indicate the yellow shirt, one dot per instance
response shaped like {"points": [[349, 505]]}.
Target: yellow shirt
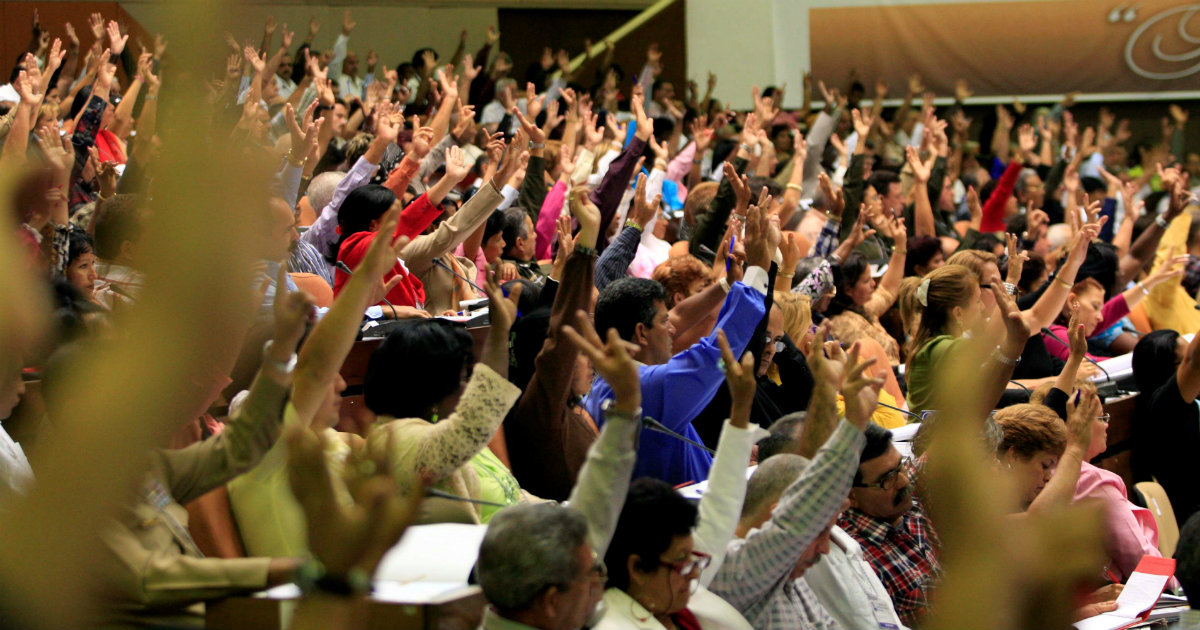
{"points": [[1169, 306], [269, 518], [884, 417]]}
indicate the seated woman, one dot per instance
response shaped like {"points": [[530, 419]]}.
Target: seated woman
{"points": [[856, 308], [1095, 314], [438, 409], [662, 556], [358, 223], [949, 304], [1166, 436], [1042, 456], [80, 271]]}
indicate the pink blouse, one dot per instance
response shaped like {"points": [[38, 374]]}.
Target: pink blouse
{"points": [[1132, 532]]}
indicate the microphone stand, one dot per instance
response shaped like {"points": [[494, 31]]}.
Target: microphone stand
{"points": [[1050, 333], [441, 263], [350, 272], [433, 492], [655, 425]]}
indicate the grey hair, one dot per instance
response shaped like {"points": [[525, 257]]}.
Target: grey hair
{"points": [[1019, 186], [527, 549], [320, 189], [1058, 234], [772, 477]]}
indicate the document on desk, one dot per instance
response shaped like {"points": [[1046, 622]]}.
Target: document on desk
{"points": [[442, 552], [1141, 593]]}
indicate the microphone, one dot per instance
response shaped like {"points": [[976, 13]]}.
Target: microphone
{"points": [[441, 263], [1050, 333], [1027, 390], [433, 492], [907, 413], [350, 272], [655, 425]]}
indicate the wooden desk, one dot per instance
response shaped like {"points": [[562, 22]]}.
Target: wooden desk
{"points": [[460, 611]]}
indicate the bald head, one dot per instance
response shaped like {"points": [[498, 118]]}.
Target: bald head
{"points": [[767, 484]]}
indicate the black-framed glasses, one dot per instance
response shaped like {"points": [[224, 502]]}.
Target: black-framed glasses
{"points": [[888, 481]]}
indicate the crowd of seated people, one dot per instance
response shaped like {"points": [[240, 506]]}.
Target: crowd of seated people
{"points": [[674, 291]]}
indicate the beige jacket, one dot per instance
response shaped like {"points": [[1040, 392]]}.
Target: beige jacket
{"points": [[153, 572], [421, 252]]}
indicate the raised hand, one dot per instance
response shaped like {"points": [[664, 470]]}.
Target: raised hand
{"points": [[644, 125], [422, 140], [1026, 140], [456, 164], [348, 23], [252, 57], [644, 210], [862, 124], [859, 391], [1076, 336], [920, 170], [741, 188], [116, 41], [535, 133], [834, 198], [1016, 259], [758, 227], [612, 360], [1082, 412], [96, 23], [503, 310]]}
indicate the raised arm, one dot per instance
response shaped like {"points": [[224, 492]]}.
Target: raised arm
{"points": [[330, 341], [922, 209], [607, 196]]}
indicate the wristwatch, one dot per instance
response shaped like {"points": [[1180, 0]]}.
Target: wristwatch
{"points": [[609, 412], [536, 145], [278, 366], [1161, 222]]}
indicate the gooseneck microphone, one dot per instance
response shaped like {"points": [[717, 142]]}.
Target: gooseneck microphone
{"points": [[441, 263], [350, 272], [433, 492], [655, 425], [1050, 333]]}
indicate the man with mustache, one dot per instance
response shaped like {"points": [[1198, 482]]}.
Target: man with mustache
{"points": [[896, 536]]}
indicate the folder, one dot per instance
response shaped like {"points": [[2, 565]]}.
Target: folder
{"points": [[1137, 600]]}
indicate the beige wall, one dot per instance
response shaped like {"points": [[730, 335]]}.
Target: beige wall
{"points": [[394, 32]]}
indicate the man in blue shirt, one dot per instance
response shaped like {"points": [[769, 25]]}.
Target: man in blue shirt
{"points": [[677, 388]]}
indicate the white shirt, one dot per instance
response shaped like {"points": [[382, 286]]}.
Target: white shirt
{"points": [[849, 589], [14, 467]]}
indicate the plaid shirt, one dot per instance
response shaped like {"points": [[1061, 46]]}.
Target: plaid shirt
{"points": [[904, 556], [754, 576], [827, 240]]}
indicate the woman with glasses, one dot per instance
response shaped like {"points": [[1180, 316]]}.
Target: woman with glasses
{"points": [[665, 550]]}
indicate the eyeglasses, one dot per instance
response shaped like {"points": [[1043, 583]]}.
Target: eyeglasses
{"points": [[888, 481], [778, 341], [1104, 417], [698, 562], [598, 572]]}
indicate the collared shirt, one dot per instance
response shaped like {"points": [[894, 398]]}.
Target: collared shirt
{"points": [[848, 588], [755, 574], [306, 259], [493, 621], [675, 392], [903, 555]]}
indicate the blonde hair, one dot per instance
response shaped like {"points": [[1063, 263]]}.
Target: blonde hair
{"points": [[797, 313], [949, 286], [910, 307], [1030, 429], [974, 260]]}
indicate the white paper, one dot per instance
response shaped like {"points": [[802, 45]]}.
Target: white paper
{"points": [[1140, 593], [1107, 621], [697, 490], [905, 433], [444, 552], [417, 592]]}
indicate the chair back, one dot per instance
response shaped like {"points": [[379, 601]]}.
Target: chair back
{"points": [[1164, 516]]}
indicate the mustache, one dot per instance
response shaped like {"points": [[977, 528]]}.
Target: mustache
{"points": [[902, 496]]}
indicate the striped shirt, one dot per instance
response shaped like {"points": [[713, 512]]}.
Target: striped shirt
{"points": [[754, 576]]}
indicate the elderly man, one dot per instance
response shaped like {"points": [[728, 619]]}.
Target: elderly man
{"points": [[891, 527], [790, 509]]}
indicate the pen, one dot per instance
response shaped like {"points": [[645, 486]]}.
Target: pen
{"points": [[732, 240]]}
